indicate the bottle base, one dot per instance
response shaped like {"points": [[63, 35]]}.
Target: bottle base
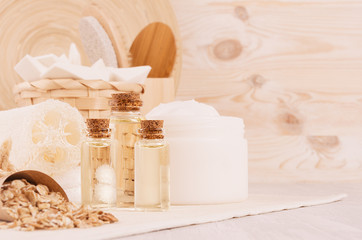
{"points": [[150, 208], [100, 205], [125, 205]]}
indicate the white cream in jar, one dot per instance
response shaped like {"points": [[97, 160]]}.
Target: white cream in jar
{"points": [[208, 153]]}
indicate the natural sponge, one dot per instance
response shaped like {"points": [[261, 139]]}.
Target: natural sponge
{"points": [[45, 137], [96, 42]]}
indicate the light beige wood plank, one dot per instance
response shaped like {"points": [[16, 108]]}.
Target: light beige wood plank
{"points": [[304, 45], [291, 70], [268, 108]]}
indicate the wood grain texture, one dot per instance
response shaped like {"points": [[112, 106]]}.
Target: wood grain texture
{"points": [[35, 27], [291, 69]]}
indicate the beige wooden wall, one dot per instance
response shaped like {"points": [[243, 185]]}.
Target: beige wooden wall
{"points": [[291, 69]]}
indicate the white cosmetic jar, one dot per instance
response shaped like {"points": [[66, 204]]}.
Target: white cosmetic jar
{"points": [[208, 159]]}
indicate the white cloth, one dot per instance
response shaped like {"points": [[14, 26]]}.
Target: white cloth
{"points": [[336, 221], [141, 222]]}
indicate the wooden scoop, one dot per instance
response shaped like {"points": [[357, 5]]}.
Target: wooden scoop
{"points": [[155, 46], [33, 177]]}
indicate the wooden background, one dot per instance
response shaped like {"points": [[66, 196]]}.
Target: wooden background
{"points": [[291, 69]]}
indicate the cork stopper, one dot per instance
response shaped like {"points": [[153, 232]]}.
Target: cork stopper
{"points": [[98, 127], [127, 101], [151, 129]]}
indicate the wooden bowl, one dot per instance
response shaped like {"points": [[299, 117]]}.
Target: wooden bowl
{"points": [[33, 177]]}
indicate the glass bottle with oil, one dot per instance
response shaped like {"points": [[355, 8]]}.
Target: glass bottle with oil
{"points": [[125, 122], [152, 168], [98, 178]]}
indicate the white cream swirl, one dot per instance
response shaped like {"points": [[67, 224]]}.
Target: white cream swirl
{"points": [[194, 119]]}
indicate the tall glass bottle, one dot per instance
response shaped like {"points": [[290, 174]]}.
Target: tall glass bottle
{"points": [[152, 168], [98, 178], [125, 121]]}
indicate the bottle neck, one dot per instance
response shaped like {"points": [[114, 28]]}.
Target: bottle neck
{"points": [[99, 134], [121, 113], [152, 142], [156, 134], [92, 138]]}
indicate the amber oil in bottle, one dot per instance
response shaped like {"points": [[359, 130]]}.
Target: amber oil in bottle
{"points": [[98, 178], [125, 122], [152, 170]]}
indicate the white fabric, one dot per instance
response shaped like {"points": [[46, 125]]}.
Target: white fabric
{"points": [[141, 222], [336, 221]]}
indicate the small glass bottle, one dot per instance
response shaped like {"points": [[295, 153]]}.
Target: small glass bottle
{"points": [[98, 178], [125, 121], [152, 168]]}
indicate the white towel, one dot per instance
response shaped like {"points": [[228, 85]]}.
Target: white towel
{"points": [[131, 223]]}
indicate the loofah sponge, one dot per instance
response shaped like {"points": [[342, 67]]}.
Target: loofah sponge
{"points": [[45, 137], [5, 166]]}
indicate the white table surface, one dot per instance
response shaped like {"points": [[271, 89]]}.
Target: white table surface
{"points": [[339, 220]]}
